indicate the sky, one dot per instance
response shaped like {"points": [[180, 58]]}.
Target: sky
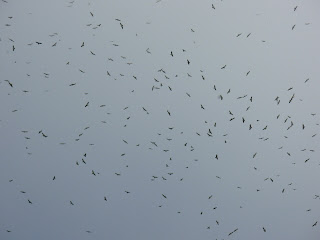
{"points": [[159, 119]]}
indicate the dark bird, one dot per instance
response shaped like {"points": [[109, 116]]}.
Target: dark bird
{"points": [[224, 67], [121, 25], [87, 104], [9, 83], [291, 98], [233, 232]]}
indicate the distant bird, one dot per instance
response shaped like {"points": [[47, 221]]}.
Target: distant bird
{"points": [[9, 83], [233, 231]]}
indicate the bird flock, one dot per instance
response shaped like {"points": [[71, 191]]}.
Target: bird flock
{"points": [[159, 120]]}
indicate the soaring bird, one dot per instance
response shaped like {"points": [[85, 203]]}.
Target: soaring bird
{"points": [[9, 83]]}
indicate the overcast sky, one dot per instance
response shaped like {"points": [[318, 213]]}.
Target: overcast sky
{"points": [[174, 119]]}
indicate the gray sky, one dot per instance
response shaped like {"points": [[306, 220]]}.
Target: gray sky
{"points": [[192, 151]]}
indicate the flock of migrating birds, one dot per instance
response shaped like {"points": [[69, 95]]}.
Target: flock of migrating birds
{"points": [[161, 81]]}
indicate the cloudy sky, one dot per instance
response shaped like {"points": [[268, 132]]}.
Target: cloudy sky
{"points": [[171, 119]]}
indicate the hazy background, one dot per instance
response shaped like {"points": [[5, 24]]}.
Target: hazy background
{"points": [[181, 163]]}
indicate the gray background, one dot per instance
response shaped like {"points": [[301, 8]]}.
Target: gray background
{"points": [[277, 57]]}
